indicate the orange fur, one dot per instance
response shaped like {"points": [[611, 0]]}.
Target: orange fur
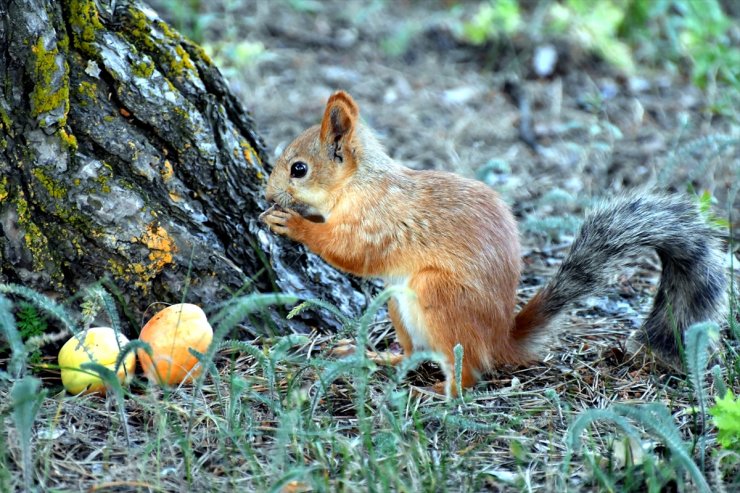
{"points": [[452, 241], [453, 244]]}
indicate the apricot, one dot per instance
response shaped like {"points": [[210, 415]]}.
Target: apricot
{"points": [[171, 333], [98, 345]]}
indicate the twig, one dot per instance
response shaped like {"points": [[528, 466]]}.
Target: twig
{"points": [[518, 97]]}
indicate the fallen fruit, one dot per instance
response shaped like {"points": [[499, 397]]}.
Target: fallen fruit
{"points": [[171, 333], [97, 345]]}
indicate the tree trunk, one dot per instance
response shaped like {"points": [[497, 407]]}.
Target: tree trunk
{"points": [[124, 156]]}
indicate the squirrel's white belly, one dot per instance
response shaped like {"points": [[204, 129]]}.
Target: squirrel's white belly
{"points": [[410, 312]]}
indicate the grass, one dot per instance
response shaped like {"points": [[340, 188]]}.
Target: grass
{"points": [[281, 414]]}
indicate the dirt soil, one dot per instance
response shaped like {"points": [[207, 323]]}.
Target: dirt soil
{"points": [[437, 103], [441, 104]]}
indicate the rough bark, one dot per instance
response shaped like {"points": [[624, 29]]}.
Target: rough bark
{"points": [[123, 155]]}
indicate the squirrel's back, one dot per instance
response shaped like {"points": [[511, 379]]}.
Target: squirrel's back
{"points": [[438, 219]]}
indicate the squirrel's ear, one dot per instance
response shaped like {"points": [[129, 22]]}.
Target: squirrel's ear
{"points": [[338, 125]]}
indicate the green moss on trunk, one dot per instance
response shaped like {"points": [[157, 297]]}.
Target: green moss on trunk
{"points": [[36, 242], [172, 57], [85, 22], [46, 95]]}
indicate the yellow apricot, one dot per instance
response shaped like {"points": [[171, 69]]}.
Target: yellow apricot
{"points": [[98, 345]]}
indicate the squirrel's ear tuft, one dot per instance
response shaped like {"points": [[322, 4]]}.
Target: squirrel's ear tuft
{"points": [[338, 124]]}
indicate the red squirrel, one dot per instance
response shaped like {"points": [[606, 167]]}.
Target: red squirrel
{"points": [[454, 244]]}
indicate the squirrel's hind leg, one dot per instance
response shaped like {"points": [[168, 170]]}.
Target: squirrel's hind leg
{"points": [[402, 334], [447, 311], [468, 378], [345, 347]]}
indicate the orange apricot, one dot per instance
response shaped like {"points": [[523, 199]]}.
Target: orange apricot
{"points": [[171, 333]]}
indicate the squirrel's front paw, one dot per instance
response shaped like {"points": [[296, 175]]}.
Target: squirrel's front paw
{"points": [[283, 221]]}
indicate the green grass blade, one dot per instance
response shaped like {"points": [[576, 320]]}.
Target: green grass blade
{"points": [[26, 397], [697, 339], [343, 319], [46, 304], [112, 384], [17, 365], [656, 418]]}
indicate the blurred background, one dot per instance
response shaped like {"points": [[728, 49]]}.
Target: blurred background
{"points": [[550, 102]]}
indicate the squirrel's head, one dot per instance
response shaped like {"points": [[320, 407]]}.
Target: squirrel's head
{"points": [[311, 172]]}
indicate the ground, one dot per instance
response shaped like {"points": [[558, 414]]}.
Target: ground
{"points": [[267, 423], [437, 103]]}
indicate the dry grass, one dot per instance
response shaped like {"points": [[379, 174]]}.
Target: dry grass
{"points": [[360, 429], [365, 430]]}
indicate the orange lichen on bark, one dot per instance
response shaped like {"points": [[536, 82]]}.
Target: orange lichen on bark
{"points": [[167, 172], [161, 253], [160, 245]]}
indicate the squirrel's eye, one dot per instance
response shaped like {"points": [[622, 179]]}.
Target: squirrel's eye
{"points": [[298, 169]]}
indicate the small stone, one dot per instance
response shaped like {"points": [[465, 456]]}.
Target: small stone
{"points": [[92, 69], [638, 84], [459, 95], [544, 60]]}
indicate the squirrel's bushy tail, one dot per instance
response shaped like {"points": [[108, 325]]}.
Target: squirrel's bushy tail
{"points": [[692, 285]]}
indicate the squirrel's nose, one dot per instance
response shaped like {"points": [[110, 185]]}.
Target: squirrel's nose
{"points": [[270, 193]]}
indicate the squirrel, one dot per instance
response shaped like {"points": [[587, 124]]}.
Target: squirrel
{"points": [[454, 244]]}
